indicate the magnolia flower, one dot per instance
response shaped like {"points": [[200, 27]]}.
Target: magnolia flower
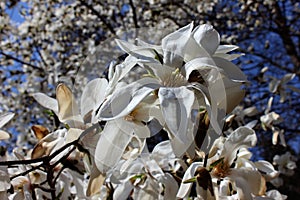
{"points": [[144, 178], [119, 133], [229, 173], [66, 107], [67, 110], [270, 120], [188, 70], [286, 163], [281, 86]]}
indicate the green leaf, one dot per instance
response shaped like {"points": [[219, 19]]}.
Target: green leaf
{"points": [[191, 180]]}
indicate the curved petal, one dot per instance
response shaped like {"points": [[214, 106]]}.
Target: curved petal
{"points": [[267, 168], [95, 182], [207, 37], [231, 70], [233, 94], [125, 99], [222, 49], [67, 106], [46, 101], [119, 72], [6, 117], [93, 95], [4, 135], [170, 186], [141, 52], [123, 190], [176, 105], [241, 137], [203, 65], [185, 188], [174, 46], [111, 145], [248, 182]]}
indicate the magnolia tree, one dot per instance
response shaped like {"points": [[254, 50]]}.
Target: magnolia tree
{"points": [[196, 91], [184, 91]]}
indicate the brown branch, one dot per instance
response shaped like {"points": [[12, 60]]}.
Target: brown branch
{"points": [[101, 17], [36, 160], [21, 61], [283, 31]]}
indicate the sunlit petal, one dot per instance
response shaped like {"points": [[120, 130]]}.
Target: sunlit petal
{"points": [[207, 37], [111, 145], [176, 105], [46, 101], [93, 95], [174, 46], [125, 99]]}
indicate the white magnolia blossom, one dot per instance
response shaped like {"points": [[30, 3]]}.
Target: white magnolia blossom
{"points": [[190, 69], [229, 174], [286, 163]]}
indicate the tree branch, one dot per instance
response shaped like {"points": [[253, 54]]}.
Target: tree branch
{"points": [[101, 17], [21, 61]]}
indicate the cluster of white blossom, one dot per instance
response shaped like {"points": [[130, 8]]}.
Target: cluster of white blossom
{"points": [[187, 89]]}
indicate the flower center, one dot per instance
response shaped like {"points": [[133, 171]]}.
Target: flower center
{"points": [[173, 79], [221, 170], [131, 116]]}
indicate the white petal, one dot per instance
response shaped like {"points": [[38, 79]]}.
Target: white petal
{"points": [[4, 118], [4, 135], [120, 71], [123, 190], [176, 105], [125, 99], [248, 182], [208, 37], [288, 77], [93, 95], [73, 134], [216, 112], [95, 182], [267, 168], [179, 147], [231, 70], [241, 137], [170, 186], [228, 57], [111, 145], [140, 52], [162, 150], [274, 194], [204, 66], [226, 48], [185, 188], [46, 101], [234, 94], [174, 46], [273, 85]]}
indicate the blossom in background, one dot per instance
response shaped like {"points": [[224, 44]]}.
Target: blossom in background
{"points": [[270, 120], [286, 163]]}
